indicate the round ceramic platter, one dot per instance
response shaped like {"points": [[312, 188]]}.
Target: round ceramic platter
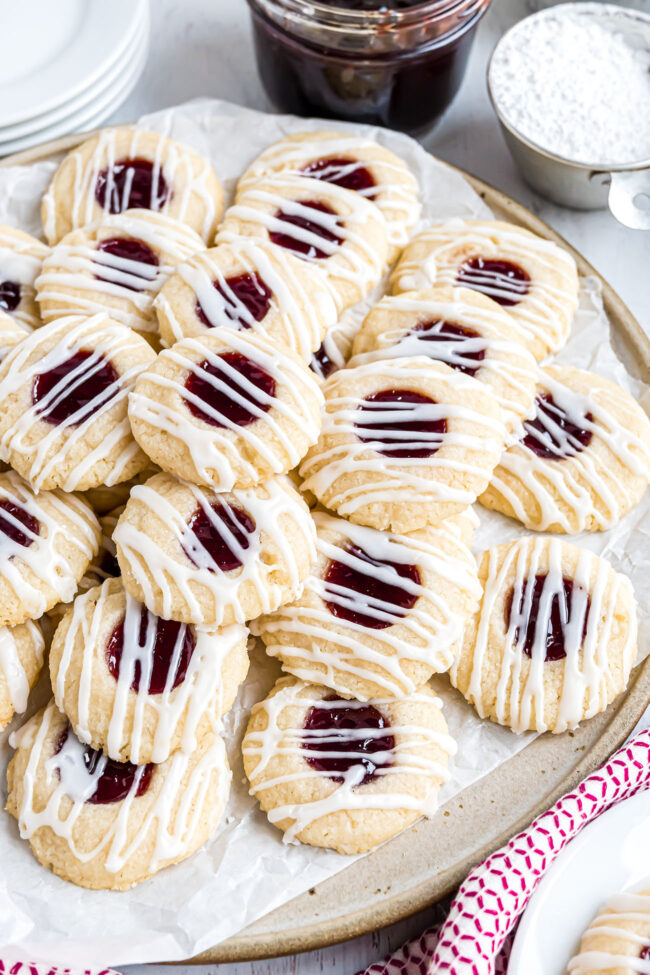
{"points": [[611, 856], [428, 861], [72, 44]]}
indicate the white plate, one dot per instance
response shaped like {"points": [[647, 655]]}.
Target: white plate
{"points": [[91, 115], [610, 856], [59, 48], [108, 81]]}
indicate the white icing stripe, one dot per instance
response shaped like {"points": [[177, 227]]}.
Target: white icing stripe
{"points": [[177, 170], [217, 457], [425, 635], [403, 479], [307, 311], [73, 335], [352, 257], [405, 760], [394, 192], [73, 268], [45, 557], [611, 921], [542, 312], [593, 493], [11, 667], [582, 691], [129, 827], [199, 692], [173, 576]]}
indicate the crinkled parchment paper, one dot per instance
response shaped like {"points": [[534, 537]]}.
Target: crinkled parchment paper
{"points": [[246, 870]]}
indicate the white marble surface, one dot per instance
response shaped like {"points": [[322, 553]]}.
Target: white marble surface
{"points": [[203, 47]]}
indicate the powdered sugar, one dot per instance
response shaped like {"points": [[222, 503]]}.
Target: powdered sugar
{"points": [[575, 80]]}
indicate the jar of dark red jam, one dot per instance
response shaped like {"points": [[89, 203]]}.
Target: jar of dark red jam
{"points": [[396, 63]]}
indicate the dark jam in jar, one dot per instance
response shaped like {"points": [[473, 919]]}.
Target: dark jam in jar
{"points": [[396, 63]]}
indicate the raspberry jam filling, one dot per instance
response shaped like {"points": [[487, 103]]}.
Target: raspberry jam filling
{"points": [[131, 184], [557, 618], [113, 781], [219, 538], [399, 418], [504, 282], [319, 228], [552, 433], [10, 293], [342, 737], [358, 594], [460, 347], [321, 363], [127, 249], [162, 648], [75, 389], [246, 297], [348, 173], [228, 396], [14, 520], [644, 954]]}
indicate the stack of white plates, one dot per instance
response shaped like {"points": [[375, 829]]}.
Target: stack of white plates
{"points": [[67, 66]]}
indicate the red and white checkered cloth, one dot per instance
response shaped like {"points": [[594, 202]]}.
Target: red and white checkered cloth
{"points": [[476, 936]]}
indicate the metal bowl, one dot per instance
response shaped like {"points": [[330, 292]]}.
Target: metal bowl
{"points": [[585, 186]]}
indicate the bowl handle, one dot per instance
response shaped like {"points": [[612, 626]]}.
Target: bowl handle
{"points": [[629, 198]]}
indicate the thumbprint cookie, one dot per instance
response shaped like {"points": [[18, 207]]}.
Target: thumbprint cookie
{"points": [[341, 774], [355, 164], [583, 460], [11, 333], [379, 613], [554, 639], [21, 658], [117, 266], [21, 258], [228, 409], [248, 284], [618, 939], [336, 348], [320, 222], [463, 328], [63, 403], [109, 825], [533, 279], [131, 169], [139, 687], [404, 443], [198, 556], [47, 541]]}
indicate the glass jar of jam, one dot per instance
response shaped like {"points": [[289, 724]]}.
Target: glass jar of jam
{"points": [[396, 63]]}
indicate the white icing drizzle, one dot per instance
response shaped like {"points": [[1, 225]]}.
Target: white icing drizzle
{"points": [[20, 262], [542, 313], [583, 688], [305, 303], [76, 267], [427, 634], [506, 366], [592, 492], [216, 452], [11, 666], [394, 191], [403, 479], [171, 160], [73, 334], [174, 815], [170, 575], [610, 922], [405, 760], [45, 557], [353, 258], [199, 692]]}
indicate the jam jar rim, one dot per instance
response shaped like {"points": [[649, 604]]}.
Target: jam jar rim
{"points": [[343, 23]]}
